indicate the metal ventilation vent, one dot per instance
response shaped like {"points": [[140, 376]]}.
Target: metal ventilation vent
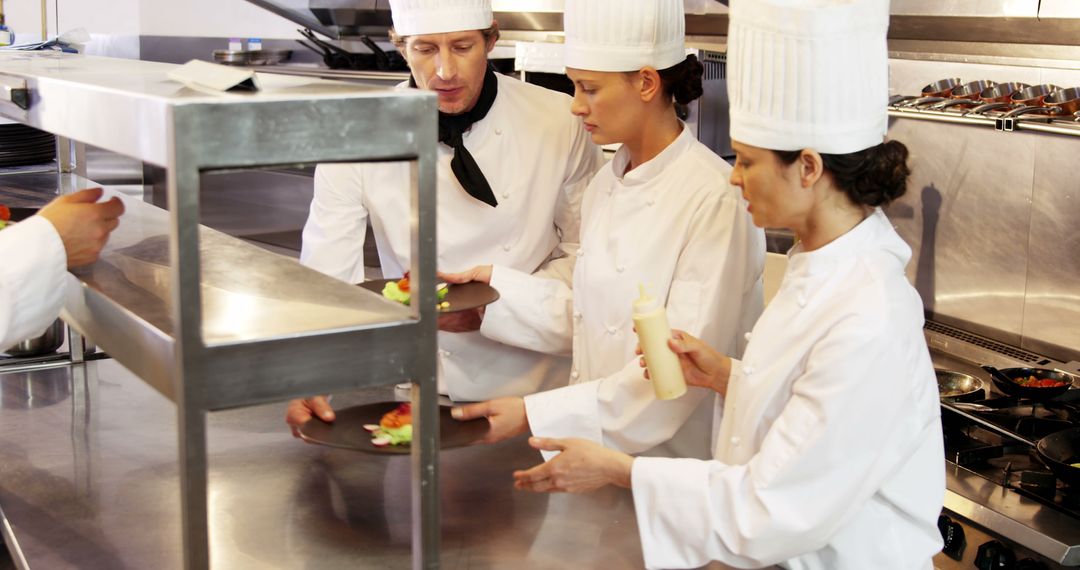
{"points": [[984, 343], [715, 64]]}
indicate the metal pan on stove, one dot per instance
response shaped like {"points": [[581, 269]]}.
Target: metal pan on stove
{"points": [[1006, 381], [1061, 452], [959, 387]]}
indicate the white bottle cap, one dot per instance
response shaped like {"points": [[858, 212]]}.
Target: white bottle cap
{"points": [[645, 303]]}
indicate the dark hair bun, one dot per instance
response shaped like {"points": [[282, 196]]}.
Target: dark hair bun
{"points": [[683, 80], [873, 177]]}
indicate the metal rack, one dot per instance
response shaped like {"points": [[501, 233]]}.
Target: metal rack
{"points": [[212, 322], [923, 109]]}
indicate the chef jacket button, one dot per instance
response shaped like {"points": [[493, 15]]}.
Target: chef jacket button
{"points": [[580, 252], [620, 268], [577, 314], [747, 336], [444, 353], [612, 330], [735, 441], [506, 248], [498, 131], [506, 195], [573, 374], [748, 370], [650, 202]]}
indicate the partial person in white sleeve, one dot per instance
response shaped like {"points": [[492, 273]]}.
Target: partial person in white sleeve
{"points": [[511, 168], [660, 214], [68, 232], [829, 451]]}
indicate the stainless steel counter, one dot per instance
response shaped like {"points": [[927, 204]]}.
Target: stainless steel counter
{"points": [[88, 479]]}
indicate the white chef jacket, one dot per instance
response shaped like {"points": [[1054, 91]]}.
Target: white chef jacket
{"points": [[830, 453], [32, 279], [537, 158], [676, 224]]}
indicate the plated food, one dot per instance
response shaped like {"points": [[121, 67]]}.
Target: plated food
{"points": [[5, 216], [352, 429], [451, 298], [394, 428], [400, 291]]}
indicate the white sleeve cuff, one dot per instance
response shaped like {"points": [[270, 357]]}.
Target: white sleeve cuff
{"points": [[31, 279], [670, 501], [565, 412]]}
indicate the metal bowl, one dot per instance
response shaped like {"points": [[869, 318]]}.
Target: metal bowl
{"points": [[960, 387], [256, 57], [48, 342]]}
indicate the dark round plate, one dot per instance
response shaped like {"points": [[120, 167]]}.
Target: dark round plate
{"points": [[347, 431], [461, 297]]}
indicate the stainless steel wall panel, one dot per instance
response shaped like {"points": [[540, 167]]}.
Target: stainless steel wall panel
{"points": [[967, 182], [1052, 309]]}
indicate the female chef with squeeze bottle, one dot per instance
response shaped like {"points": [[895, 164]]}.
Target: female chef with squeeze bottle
{"points": [[660, 214], [829, 451]]}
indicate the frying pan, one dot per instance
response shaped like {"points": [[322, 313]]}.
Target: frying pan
{"points": [[1067, 99], [1005, 380], [958, 387], [1059, 451]]}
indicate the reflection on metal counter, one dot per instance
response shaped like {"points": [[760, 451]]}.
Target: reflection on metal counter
{"points": [[88, 478]]}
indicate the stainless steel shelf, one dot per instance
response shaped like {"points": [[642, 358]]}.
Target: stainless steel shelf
{"points": [[1038, 123], [210, 321]]}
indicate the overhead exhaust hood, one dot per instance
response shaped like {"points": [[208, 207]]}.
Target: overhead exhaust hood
{"points": [[992, 29]]}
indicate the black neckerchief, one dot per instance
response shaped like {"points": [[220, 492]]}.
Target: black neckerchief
{"points": [[451, 129]]}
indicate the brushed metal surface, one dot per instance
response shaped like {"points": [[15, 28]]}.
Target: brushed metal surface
{"points": [[108, 499], [1052, 300], [969, 186]]}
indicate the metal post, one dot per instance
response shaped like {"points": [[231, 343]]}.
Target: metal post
{"points": [[425, 449], [188, 372]]}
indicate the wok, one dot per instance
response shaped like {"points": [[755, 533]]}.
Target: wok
{"points": [[1005, 380], [1059, 451], [958, 387]]}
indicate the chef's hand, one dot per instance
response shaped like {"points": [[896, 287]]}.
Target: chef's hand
{"points": [[506, 416], [462, 321], [300, 411], [701, 365], [83, 225], [481, 273], [581, 467]]}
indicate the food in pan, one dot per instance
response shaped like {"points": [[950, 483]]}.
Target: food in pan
{"points": [[399, 291], [952, 393], [5, 216], [395, 427], [1034, 382]]}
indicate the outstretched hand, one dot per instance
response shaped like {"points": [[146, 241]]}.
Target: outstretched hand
{"points": [[582, 466], [506, 416]]}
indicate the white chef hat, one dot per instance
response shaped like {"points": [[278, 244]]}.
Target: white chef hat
{"points": [[418, 17], [808, 74], [623, 35]]}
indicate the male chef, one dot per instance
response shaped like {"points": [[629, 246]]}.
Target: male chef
{"points": [[512, 165]]}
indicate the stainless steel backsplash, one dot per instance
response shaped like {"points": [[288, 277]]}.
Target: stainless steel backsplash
{"points": [[993, 219]]}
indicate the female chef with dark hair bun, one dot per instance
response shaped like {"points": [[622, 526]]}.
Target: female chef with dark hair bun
{"points": [[661, 214], [829, 451]]}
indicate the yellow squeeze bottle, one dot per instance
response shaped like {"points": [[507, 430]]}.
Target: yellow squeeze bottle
{"points": [[653, 332]]}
